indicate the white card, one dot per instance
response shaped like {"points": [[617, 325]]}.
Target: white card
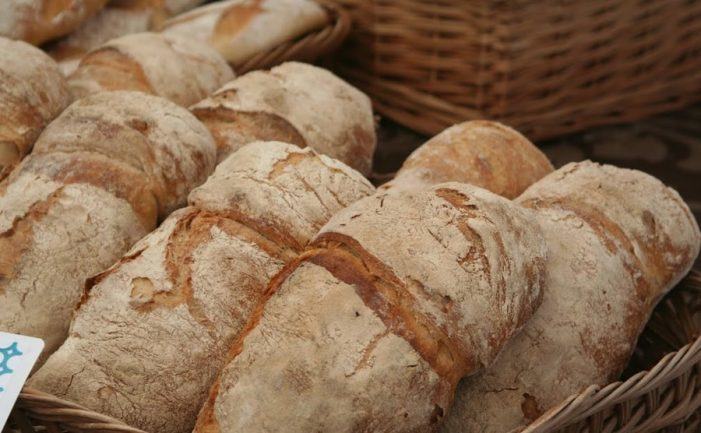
{"points": [[17, 357]]}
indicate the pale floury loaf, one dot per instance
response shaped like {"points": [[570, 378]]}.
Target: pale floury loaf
{"points": [[155, 328], [618, 240], [240, 29], [399, 296], [98, 179], [296, 103], [32, 93], [118, 18], [479, 152], [37, 21], [175, 68]]}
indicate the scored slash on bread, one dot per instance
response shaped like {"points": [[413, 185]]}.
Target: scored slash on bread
{"points": [[98, 179], [296, 103], [32, 93], [154, 329], [182, 70]]}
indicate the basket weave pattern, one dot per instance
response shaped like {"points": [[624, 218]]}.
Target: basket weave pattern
{"points": [[666, 398], [545, 67], [305, 49]]}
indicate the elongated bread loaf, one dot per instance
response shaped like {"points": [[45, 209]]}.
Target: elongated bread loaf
{"points": [[96, 182], [618, 240], [153, 333], [294, 103], [118, 18], [32, 93], [479, 152], [403, 295], [240, 29], [37, 21], [175, 68]]}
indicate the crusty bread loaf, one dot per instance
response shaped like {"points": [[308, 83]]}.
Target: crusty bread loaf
{"points": [[175, 68], [402, 294], [118, 18], [153, 333], [37, 21], [479, 152], [618, 241], [32, 93], [295, 103], [240, 29], [97, 180]]}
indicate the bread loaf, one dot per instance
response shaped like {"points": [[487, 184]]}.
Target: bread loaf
{"points": [[153, 333], [295, 103], [400, 296], [479, 152], [240, 29], [99, 177], [618, 240], [37, 21], [32, 93], [118, 18], [175, 68]]}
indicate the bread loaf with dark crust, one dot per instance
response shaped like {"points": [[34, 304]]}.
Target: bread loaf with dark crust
{"points": [[240, 29], [37, 21], [32, 93], [479, 152], [98, 179], [175, 68], [155, 328], [400, 295], [618, 240], [294, 103]]}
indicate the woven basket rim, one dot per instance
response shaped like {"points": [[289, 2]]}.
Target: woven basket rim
{"points": [[308, 47], [76, 418]]}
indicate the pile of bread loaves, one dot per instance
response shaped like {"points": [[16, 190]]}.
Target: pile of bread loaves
{"points": [[228, 268]]}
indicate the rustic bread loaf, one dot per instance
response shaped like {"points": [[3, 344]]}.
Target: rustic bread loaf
{"points": [[154, 330], [32, 93], [402, 294], [240, 29], [37, 21], [97, 180], [295, 103], [618, 240], [118, 18], [479, 152], [175, 68]]}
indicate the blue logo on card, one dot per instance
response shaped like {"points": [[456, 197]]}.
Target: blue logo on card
{"points": [[7, 353]]}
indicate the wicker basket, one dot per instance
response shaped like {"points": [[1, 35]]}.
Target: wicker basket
{"points": [[306, 48], [666, 398], [545, 67]]}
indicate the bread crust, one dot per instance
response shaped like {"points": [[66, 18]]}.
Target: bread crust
{"points": [[175, 68], [618, 241], [369, 331], [37, 21], [202, 273], [32, 93], [240, 29], [479, 152], [297, 103], [99, 177]]}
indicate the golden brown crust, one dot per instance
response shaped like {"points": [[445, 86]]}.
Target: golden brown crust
{"points": [[175, 68], [295, 102], [32, 93], [202, 272], [479, 152], [37, 21]]}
